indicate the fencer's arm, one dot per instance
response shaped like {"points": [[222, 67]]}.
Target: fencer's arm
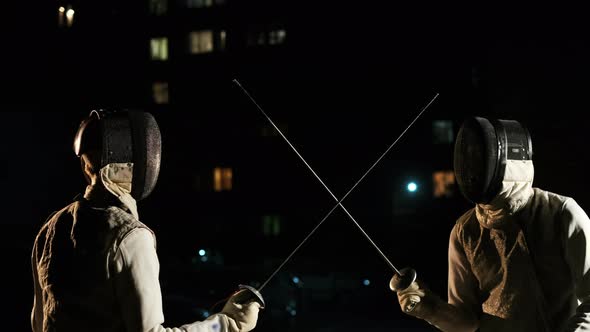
{"points": [[418, 301], [577, 252], [449, 318], [138, 291]]}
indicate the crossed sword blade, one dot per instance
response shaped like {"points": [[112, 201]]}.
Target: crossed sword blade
{"points": [[338, 201]]}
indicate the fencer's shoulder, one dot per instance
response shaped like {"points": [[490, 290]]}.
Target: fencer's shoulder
{"points": [[139, 237], [560, 206], [51, 222], [114, 220], [546, 202], [548, 197], [109, 212], [65, 211], [55, 216], [124, 222]]}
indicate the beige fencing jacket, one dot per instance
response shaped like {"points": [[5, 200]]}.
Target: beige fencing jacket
{"points": [[95, 268], [522, 263]]}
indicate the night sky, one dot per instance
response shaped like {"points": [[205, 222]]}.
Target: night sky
{"points": [[347, 81]]}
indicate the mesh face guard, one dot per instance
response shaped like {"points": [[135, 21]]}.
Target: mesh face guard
{"points": [[124, 137], [481, 150]]}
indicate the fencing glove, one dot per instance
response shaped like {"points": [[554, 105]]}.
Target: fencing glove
{"points": [[242, 317], [410, 297], [417, 300]]}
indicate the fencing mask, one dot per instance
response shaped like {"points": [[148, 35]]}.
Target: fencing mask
{"points": [[481, 150], [124, 136]]}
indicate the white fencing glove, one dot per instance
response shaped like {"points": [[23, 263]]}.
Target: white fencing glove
{"points": [[410, 297], [242, 317], [417, 300]]}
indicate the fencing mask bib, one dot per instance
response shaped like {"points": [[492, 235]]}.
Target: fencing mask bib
{"points": [[481, 150], [124, 136]]}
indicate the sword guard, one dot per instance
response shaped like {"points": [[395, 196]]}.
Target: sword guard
{"points": [[403, 280], [247, 294]]}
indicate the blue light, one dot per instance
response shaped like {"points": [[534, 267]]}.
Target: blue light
{"points": [[293, 312], [366, 282], [296, 280], [412, 186], [206, 313], [202, 252]]}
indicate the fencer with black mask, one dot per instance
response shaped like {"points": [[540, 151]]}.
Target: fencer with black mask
{"points": [[95, 265], [519, 260]]}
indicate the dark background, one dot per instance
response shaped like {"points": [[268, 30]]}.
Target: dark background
{"points": [[344, 83]]}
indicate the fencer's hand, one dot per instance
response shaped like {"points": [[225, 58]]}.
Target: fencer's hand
{"points": [[242, 316], [410, 297], [416, 300]]}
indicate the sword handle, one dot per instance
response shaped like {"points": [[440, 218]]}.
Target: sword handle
{"points": [[247, 294]]}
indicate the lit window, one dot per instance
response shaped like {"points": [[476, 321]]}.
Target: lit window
{"points": [[204, 3], [271, 225], [158, 7], [272, 37], [222, 38], [442, 132], [276, 37], [160, 90], [70, 16], [61, 12], [159, 48], [199, 3], [201, 41], [65, 16], [222, 178], [443, 183]]}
